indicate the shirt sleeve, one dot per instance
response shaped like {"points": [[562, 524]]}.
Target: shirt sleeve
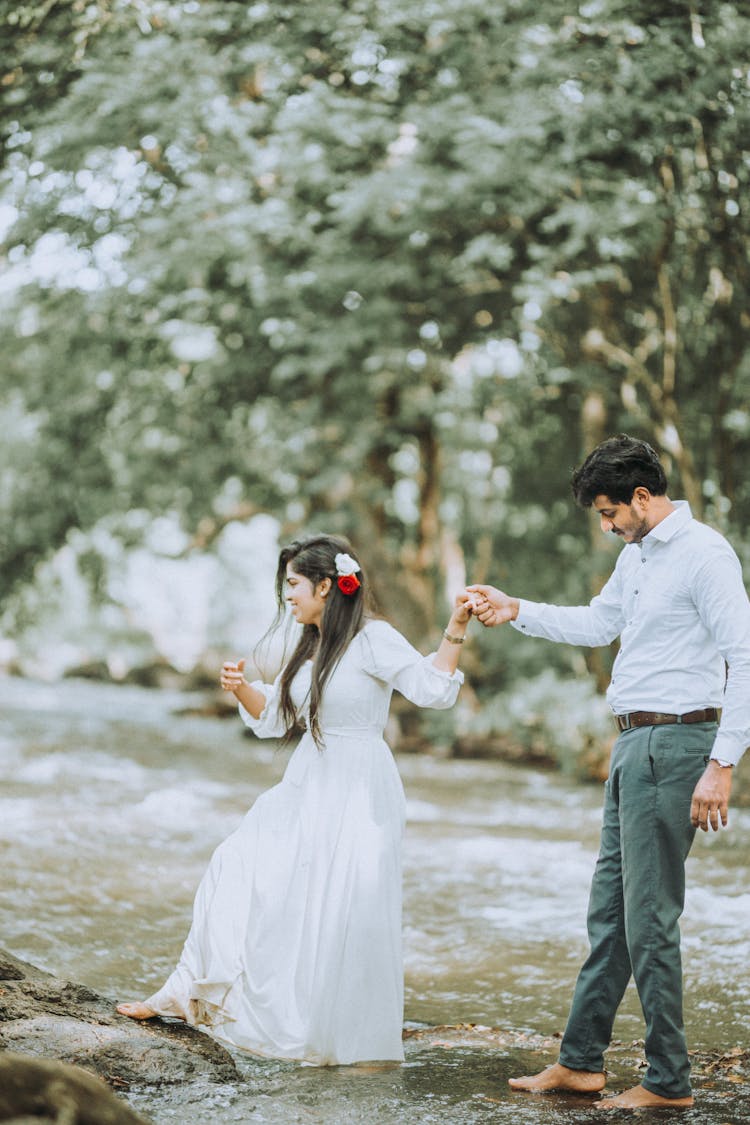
{"points": [[389, 657], [722, 603], [270, 722], [595, 624]]}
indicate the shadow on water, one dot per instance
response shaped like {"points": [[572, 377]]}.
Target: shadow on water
{"points": [[111, 804]]}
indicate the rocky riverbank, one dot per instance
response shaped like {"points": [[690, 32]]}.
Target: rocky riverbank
{"points": [[56, 1035], [66, 1058]]}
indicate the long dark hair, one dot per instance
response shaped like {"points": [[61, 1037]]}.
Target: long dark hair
{"points": [[343, 617]]}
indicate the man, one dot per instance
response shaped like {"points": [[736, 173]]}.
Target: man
{"points": [[677, 601]]}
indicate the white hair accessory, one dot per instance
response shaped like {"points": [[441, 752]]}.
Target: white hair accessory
{"points": [[345, 564]]}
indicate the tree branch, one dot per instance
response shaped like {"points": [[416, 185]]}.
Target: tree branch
{"points": [[210, 527]]}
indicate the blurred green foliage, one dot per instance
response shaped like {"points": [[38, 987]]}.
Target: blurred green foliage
{"points": [[376, 268]]}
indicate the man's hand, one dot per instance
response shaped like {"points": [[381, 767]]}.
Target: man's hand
{"points": [[492, 606], [711, 797]]}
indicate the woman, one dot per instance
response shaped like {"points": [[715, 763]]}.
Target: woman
{"points": [[295, 947]]}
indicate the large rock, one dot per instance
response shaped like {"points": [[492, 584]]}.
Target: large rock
{"points": [[48, 1018], [38, 1091]]}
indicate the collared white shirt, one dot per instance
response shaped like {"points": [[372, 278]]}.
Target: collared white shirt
{"points": [[678, 603]]}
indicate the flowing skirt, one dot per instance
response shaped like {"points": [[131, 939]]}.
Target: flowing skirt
{"points": [[295, 946]]}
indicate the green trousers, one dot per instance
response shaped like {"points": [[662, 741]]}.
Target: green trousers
{"points": [[637, 897]]}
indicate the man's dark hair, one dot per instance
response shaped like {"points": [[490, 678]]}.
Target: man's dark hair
{"points": [[615, 469]]}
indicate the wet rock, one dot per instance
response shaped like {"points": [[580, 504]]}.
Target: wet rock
{"points": [[49, 1018], [39, 1091], [213, 705], [155, 674], [504, 748], [90, 670]]}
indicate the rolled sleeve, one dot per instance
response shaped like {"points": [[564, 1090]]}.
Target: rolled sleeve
{"points": [[269, 723]]}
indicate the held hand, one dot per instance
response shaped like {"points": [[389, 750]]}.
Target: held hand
{"points": [[231, 675], [464, 607], [493, 607], [711, 797]]}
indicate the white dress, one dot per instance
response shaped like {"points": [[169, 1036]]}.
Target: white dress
{"points": [[295, 947]]}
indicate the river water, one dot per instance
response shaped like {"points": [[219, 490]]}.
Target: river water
{"points": [[112, 800]]}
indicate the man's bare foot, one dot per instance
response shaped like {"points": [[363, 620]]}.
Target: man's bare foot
{"points": [[136, 1011], [559, 1077], [639, 1097]]}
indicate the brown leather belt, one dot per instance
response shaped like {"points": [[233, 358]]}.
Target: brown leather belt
{"points": [[656, 718]]}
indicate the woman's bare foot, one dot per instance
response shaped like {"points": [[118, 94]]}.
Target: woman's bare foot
{"points": [[639, 1097], [136, 1011], [559, 1077]]}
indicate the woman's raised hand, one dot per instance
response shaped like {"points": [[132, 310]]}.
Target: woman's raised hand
{"points": [[464, 607], [232, 676]]}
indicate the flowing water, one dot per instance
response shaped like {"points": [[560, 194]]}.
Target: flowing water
{"points": [[112, 800]]}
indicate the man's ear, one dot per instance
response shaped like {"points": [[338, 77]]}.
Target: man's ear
{"points": [[641, 496], [324, 587]]}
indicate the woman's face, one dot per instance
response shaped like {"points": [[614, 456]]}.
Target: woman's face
{"points": [[307, 603]]}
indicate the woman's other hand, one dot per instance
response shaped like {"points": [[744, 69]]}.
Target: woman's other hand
{"points": [[232, 677]]}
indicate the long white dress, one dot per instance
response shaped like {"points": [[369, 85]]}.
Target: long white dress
{"points": [[295, 947]]}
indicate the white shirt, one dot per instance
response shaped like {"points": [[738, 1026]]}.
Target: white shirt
{"points": [[679, 605]]}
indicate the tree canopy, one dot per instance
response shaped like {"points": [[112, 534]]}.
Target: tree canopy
{"points": [[384, 269]]}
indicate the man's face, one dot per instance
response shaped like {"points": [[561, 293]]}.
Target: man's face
{"points": [[626, 520]]}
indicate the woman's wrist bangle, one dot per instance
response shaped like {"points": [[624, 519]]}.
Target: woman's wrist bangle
{"points": [[453, 640]]}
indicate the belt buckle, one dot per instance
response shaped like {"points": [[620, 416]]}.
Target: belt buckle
{"points": [[624, 723]]}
